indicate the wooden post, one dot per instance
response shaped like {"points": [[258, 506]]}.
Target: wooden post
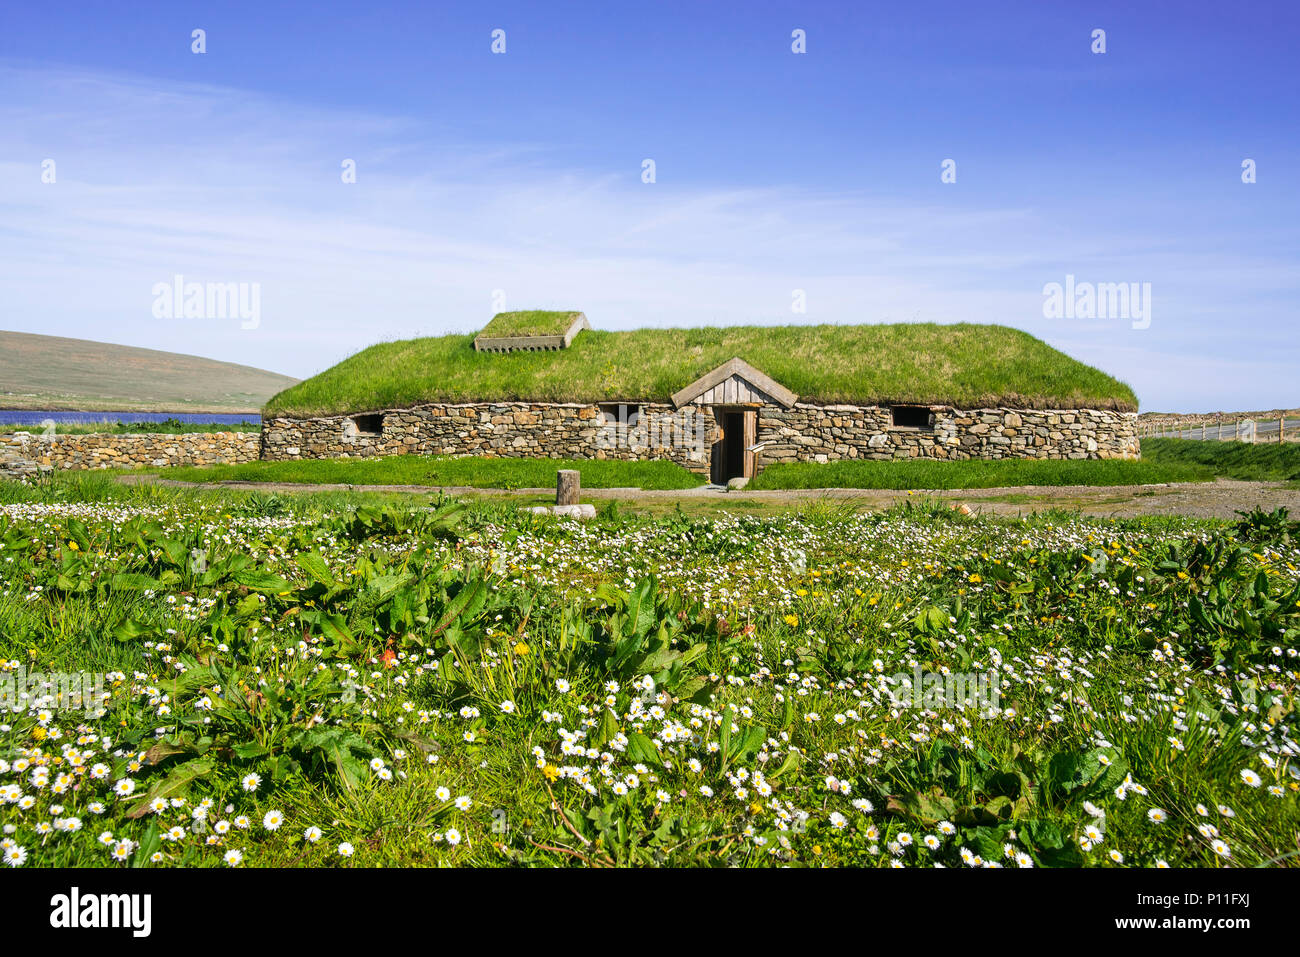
{"points": [[568, 486], [751, 439]]}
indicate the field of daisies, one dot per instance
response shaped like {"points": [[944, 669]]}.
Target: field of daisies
{"points": [[333, 681]]}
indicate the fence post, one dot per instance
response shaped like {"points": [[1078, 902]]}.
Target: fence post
{"points": [[568, 485]]}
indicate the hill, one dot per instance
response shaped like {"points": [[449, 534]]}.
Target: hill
{"points": [[53, 372], [964, 365]]}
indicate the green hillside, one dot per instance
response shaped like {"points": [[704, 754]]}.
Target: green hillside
{"points": [[963, 365], [53, 372]]}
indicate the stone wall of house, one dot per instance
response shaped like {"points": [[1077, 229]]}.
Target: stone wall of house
{"points": [[27, 454], [803, 433], [829, 433], [506, 429]]}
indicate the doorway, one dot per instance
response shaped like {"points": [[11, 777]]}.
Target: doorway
{"points": [[730, 458]]}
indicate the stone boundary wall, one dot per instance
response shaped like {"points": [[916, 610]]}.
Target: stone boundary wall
{"points": [[29, 454], [803, 433], [1187, 419], [1154, 422]]}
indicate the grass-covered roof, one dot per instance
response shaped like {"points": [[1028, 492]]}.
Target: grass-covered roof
{"points": [[531, 322], [967, 366]]}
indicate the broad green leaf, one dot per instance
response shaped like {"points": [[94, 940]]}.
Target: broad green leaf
{"points": [[173, 785], [129, 630], [641, 749], [314, 565], [792, 759], [261, 581], [926, 809], [132, 581], [335, 629]]}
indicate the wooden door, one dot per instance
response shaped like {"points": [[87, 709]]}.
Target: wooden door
{"points": [[751, 439], [738, 431]]}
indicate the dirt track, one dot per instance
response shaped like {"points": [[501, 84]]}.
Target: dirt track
{"points": [[1220, 499]]}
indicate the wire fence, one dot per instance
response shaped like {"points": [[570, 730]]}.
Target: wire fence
{"points": [[1253, 431]]}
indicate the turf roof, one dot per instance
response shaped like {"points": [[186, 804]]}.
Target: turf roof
{"points": [[532, 322], [963, 365]]}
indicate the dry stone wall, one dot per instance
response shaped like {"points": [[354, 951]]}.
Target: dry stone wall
{"points": [[811, 433], [803, 433], [27, 454], [506, 429]]}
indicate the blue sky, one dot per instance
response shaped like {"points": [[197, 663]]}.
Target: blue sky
{"points": [[519, 174]]}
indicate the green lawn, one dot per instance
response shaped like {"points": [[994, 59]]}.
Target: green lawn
{"points": [[1277, 462], [931, 474], [969, 366], [508, 473], [475, 472], [1163, 460]]}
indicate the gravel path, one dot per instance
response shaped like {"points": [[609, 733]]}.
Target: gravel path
{"points": [[1220, 499]]}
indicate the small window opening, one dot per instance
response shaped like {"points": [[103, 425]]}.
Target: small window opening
{"points": [[620, 413], [372, 424], [911, 417]]}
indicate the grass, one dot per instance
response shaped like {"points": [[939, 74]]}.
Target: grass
{"points": [[337, 680], [473, 472], [533, 322], [968, 366], [1163, 461], [915, 474], [167, 427], [1276, 462], [53, 372], [512, 473]]}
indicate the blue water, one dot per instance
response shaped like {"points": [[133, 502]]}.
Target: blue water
{"points": [[17, 417]]}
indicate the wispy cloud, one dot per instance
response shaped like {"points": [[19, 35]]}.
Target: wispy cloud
{"points": [[224, 185]]}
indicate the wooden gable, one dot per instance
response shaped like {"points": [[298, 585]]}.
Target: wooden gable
{"points": [[735, 382]]}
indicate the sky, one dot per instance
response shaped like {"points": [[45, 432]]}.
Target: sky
{"points": [[788, 187]]}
